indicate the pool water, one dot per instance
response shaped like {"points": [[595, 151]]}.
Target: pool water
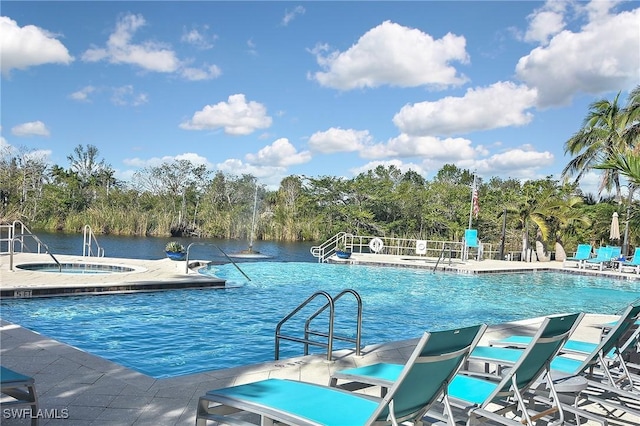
{"points": [[74, 268], [172, 333]]}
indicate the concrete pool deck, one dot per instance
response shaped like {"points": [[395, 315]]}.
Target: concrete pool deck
{"points": [[83, 389], [147, 275]]}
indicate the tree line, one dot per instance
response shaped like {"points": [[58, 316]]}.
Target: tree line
{"points": [[183, 198]]}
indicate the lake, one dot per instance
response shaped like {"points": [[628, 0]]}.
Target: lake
{"points": [[153, 247]]}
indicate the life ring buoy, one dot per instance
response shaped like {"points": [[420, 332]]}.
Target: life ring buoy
{"points": [[376, 245], [421, 246]]}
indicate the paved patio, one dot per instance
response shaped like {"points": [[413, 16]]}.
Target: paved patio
{"points": [[83, 389]]}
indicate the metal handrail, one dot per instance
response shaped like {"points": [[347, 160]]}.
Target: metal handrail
{"points": [[357, 341], [186, 267], [328, 345], [326, 249], [11, 232], [19, 238], [442, 255], [88, 238]]}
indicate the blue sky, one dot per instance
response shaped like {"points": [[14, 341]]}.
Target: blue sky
{"points": [[313, 88]]}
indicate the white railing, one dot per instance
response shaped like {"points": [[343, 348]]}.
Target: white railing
{"points": [[89, 240], [393, 246], [14, 237]]}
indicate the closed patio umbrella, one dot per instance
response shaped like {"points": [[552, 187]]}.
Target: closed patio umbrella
{"points": [[614, 233]]}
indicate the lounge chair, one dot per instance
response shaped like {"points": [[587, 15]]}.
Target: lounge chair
{"points": [[603, 258], [607, 387], [471, 241], [422, 380], [632, 264], [21, 389], [616, 252], [473, 393], [583, 253]]}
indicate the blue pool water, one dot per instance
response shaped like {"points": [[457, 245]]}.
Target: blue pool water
{"points": [[75, 268], [171, 333]]}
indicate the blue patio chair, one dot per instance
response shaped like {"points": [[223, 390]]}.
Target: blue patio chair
{"points": [[21, 389], [474, 393], [616, 252], [609, 388], [633, 263], [583, 252], [423, 379], [604, 256], [471, 241]]}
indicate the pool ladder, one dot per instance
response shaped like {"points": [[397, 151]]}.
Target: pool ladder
{"points": [[329, 335]]}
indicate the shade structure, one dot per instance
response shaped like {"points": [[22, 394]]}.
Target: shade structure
{"points": [[614, 233]]}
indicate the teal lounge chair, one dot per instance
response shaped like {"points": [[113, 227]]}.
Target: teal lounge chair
{"points": [[602, 259], [606, 386], [471, 241], [582, 253], [632, 264], [21, 389], [473, 394], [422, 380], [616, 252]]}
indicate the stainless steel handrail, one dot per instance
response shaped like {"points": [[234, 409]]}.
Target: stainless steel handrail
{"points": [[442, 255], [328, 345], [357, 341], [330, 335], [186, 268], [19, 237], [88, 238]]}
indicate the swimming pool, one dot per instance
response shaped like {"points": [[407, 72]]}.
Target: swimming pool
{"points": [[172, 333]]}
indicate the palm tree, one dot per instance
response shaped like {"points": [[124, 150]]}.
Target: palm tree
{"points": [[631, 117], [626, 164], [608, 129], [532, 209]]}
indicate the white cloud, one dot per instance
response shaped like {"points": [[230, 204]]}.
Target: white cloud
{"points": [[6, 149], [252, 47], [198, 38], [395, 55], [156, 161], [38, 156], [207, 72], [339, 140], [604, 56], [502, 104], [32, 128], [427, 147], [82, 95], [149, 55], [590, 183], [266, 175], [291, 15], [236, 117], [126, 95], [281, 153], [24, 47], [404, 167], [523, 162], [546, 22]]}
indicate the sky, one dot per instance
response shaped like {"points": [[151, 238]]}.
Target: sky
{"points": [[276, 88]]}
